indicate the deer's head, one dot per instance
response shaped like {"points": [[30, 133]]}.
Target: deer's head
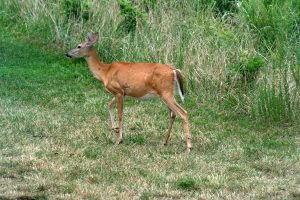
{"points": [[82, 49]]}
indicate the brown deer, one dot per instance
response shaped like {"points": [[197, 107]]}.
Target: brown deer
{"points": [[139, 80]]}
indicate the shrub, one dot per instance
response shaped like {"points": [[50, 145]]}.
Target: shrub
{"points": [[247, 68]]}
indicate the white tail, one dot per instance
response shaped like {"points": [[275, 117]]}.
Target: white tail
{"points": [[180, 92], [140, 80]]}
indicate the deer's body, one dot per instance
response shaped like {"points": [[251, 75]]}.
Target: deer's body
{"points": [[132, 79], [139, 80]]}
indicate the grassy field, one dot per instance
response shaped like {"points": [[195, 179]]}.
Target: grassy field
{"points": [[56, 142]]}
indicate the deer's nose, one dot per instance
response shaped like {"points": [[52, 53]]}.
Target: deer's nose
{"points": [[69, 56]]}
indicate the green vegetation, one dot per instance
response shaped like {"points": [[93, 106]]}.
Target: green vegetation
{"points": [[186, 183], [241, 63], [220, 45], [75, 9]]}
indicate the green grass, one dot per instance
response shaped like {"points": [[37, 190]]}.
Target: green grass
{"points": [[56, 143], [244, 54]]}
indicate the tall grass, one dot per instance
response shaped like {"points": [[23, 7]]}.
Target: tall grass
{"points": [[213, 42], [276, 26]]}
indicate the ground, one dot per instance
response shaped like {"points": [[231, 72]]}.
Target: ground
{"points": [[56, 142]]}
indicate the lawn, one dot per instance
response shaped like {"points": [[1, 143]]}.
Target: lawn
{"points": [[56, 142]]}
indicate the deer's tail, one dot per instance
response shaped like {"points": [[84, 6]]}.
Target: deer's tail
{"points": [[179, 83]]}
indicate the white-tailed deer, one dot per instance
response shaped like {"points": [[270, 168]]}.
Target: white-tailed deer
{"points": [[139, 80]]}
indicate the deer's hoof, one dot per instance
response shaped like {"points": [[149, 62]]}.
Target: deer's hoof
{"points": [[117, 130], [118, 142], [188, 149]]}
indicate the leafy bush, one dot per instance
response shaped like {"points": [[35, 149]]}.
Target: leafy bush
{"points": [[247, 68]]}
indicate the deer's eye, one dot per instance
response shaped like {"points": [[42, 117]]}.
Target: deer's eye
{"points": [[78, 46]]}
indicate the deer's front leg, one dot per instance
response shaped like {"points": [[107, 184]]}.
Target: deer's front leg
{"points": [[111, 113], [172, 119], [119, 133]]}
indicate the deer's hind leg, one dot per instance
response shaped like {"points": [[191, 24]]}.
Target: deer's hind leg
{"points": [[178, 110]]}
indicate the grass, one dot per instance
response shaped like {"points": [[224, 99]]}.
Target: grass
{"points": [[244, 54], [55, 140]]}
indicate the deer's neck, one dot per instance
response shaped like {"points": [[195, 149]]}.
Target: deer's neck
{"points": [[97, 67]]}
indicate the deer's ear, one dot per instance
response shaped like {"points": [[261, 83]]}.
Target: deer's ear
{"points": [[92, 38]]}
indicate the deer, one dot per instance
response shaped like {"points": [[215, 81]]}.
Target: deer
{"points": [[138, 80]]}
